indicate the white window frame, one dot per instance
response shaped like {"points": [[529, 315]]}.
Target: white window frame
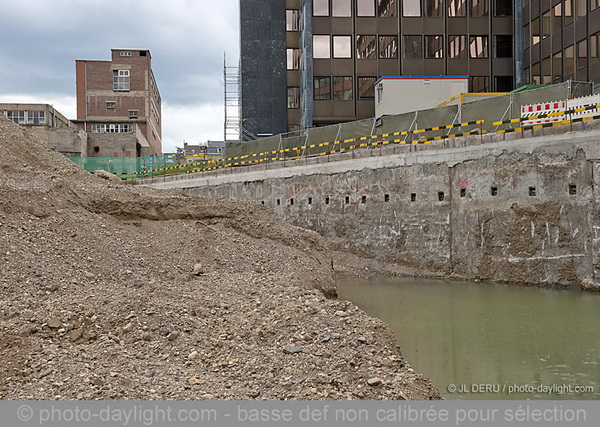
{"points": [[112, 128], [121, 80], [36, 117]]}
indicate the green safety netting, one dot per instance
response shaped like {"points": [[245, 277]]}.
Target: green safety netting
{"points": [[126, 165]]}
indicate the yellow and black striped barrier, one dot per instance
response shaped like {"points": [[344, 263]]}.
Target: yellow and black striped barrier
{"points": [[369, 141], [550, 115], [365, 142]]}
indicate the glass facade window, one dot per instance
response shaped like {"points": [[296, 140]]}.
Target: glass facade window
{"points": [[413, 46], [536, 72], [342, 88], [322, 88], [581, 7], [434, 46], [457, 46], [557, 17], [535, 31], [504, 83], [342, 46], [557, 68], [341, 7], [121, 80], [570, 60], [479, 8], [366, 87], [595, 4], [388, 47], [503, 7], [109, 128], [365, 7], [321, 47], [595, 48], [293, 97], [366, 47], [478, 46], [292, 20], [546, 25], [504, 46], [568, 12], [479, 84], [387, 8], [16, 116], [434, 8], [411, 8], [320, 7], [293, 59], [526, 36], [547, 71], [457, 8], [582, 57], [36, 117]]}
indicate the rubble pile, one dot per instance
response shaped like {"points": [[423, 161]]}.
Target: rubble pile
{"points": [[115, 292]]}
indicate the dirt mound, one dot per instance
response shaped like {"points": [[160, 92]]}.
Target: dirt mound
{"points": [[114, 292]]}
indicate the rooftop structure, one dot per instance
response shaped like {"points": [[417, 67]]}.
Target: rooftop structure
{"points": [[119, 104]]}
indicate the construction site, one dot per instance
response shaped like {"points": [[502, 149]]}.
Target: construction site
{"points": [[119, 292]]}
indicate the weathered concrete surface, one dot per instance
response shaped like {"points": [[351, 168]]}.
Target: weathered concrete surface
{"points": [[472, 214]]}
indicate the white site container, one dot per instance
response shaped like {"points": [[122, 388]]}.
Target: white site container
{"points": [[403, 94]]}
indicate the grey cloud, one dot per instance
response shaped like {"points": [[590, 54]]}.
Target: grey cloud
{"points": [[187, 40]]}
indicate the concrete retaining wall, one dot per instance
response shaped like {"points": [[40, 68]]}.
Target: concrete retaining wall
{"points": [[520, 210]]}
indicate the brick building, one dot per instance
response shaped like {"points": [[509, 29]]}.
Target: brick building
{"points": [[119, 105]]}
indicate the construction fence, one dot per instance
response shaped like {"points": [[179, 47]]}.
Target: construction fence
{"points": [[500, 114], [481, 116]]}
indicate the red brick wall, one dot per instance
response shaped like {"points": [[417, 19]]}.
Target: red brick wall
{"points": [[95, 88], [80, 88]]}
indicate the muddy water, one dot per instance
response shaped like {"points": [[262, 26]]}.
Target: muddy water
{"points": [[488, 341]]}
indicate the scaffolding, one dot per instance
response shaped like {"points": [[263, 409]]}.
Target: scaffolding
{"points": [[231, 79]]}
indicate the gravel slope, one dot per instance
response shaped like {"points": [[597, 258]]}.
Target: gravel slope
{"points": [[114, 292]]}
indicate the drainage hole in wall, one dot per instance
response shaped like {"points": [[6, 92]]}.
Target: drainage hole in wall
{"points": [[310, 200], [347, 199], [292, 202], [441, 196], [532, 191], [326, 200], [572, 189], [413, 197], [494, 191], [463, 192], [364, 199], [386, 198], [278, 202]]}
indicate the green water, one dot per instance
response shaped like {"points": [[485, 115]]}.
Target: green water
{"points": [[518, 342]]}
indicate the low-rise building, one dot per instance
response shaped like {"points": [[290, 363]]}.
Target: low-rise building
{"points": [[208, 150], [48, 125]]}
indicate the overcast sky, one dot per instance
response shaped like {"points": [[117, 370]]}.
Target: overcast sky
{"points": [[41, 39]]}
